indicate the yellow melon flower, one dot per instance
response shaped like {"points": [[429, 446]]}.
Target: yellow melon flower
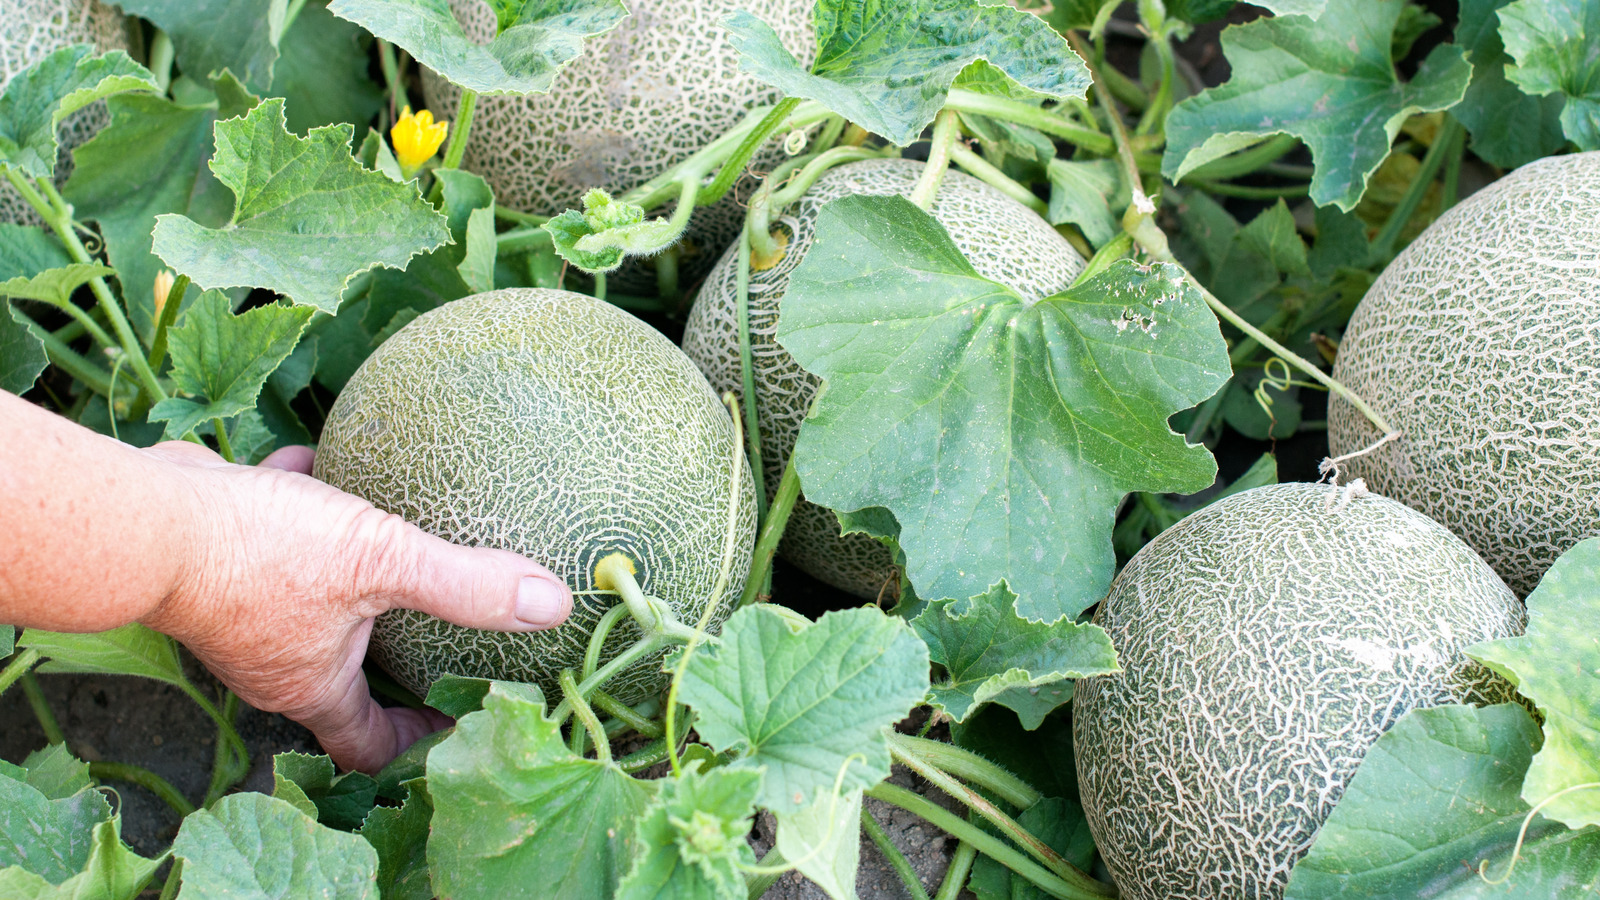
{"points": [[416, 138]]}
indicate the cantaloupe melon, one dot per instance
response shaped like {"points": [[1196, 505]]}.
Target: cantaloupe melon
{"points": [[557, 426], [1003, 239], [1481, 343], [30, 30], [643, 98], [1266, 641]]}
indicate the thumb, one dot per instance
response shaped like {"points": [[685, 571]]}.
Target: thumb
{"points": [[471, 586]]}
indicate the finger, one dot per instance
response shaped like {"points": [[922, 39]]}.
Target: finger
{"points": [[290, 459], [472, 587], [350, 725]]}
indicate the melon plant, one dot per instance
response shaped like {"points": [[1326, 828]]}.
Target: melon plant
{"points": [[661, 86], [1480, 344], [1003, 240], [32, 30], [557, 426], [1266, 641]]}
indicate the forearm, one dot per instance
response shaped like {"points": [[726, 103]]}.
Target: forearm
{"points": [[94, 534]]}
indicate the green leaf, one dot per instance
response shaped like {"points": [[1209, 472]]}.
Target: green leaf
{"points": [[807, 705], [1553, 43], [340, 801], [255, 846], [50, 838], [400, 835], [988, 650], [822, 840], [26, 250], [56, 773], [889, 66], [1435, 798], [322, 74], [692, 839], [457, 695], [1556, 664], [22, 358], [1329, 82], [211, 35], [149, 161], [309, 217], [1508, 127], [432, 279], [225, 359], [111, 872], [1062, 826], [534, 40], [55, 286], [606, 232], [129, 650], [8, 640], [1000, 433], [477, 265], [1082, 193], [513, 807], [39, 97]]}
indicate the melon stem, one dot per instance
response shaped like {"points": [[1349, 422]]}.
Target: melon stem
{"points": [[897, 860], [645, 646], [946, 132], [597, 638], [653, 616], [986, 172], [969, 766], [955, 875], [772, 532], [591, 722]]}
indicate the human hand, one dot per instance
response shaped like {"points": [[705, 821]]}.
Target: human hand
{"points": [[285, 580]]}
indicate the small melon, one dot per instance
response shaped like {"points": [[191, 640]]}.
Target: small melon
{"points": [[34, 29], [1480, 343], [1003, 240], [1265, 642], [557, 426], [639, 100]]}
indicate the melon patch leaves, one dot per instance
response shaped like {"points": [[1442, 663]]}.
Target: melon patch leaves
{"points": [[1508, 127], [991, 653], [252, 845], [1329, 82], [823, 839], [34, 266], [808, 704], [1556, 664], [308, 217], [1435, 798], [692, 839], [400, 835], [223, 359], [1001, 434], [532, 40], [889, 66], [48, 836], [211, 35], [1553, 43], [130, 650], [513, 807], [38, 98], [339, 801]]}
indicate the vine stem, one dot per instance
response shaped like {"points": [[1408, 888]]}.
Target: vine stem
{"points": [[945, 133], [1443, 142], [462, 130], [224, 774], [980, 805], [58, 215], [150, 781], [757, 884], [971, 767], [42, 710], [1139, 222], [772, 532], [645, 647], [591, 722], [623, 713], [733, 167], [897, 860], [169, 314], [66, 358], [955, 875], [986, 172], [1034, 117], [162, 54], [19, 666], [1246, 161], [747, 366], [224, 446], [987, 844]]}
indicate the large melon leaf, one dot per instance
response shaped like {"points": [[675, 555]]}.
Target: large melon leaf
{"points": [[1435, 799], [1556, 664], [888, 66], [823, 839], [111, 872], [809, 705], [39, 97], [51, 838], [1553, 43], [514, 807], [1329, 82], [1000, 434], [692, 839], [991, 653], [1508, 128], [308, 219], [401, 838], [533, 39], [255, 846], [211, 35]]}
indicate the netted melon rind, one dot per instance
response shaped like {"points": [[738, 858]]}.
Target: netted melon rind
{"points": [[1266, 641], [553, 425], [34, 29], [1481, 343], [641, 99], [1003, 240]]}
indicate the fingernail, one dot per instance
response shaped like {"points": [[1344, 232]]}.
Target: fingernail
{"points": [[540, 602]]}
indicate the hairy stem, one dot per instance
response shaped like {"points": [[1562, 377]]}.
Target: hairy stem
{"points": [[20, 665], [969, 766], [1249, 192], [162, 54], [1019, 113], [646, 646], [1246, 161], [624, 713], [747, 370], [758, 883], [597, 638], [460, 131], [150, 781], [897, 860], [41, 709], [955, 875], [1443, 143], [733, 167], [224, 446], [772, 532], [945, 134]]}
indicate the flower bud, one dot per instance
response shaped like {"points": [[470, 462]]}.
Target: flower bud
{"points": [[163, 286]]}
